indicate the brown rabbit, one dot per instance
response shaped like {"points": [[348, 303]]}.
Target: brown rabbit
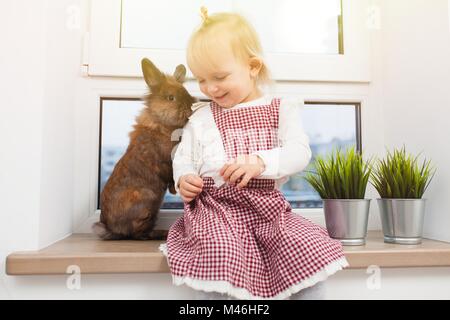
{"points": [[134, 192]]}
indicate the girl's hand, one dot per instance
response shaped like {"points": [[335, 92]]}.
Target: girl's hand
{"points": [[190, 186], [246, 166]]}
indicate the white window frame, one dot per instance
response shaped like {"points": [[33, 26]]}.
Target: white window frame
{"points": [[106, 58], [318, 77], [87, 119]]}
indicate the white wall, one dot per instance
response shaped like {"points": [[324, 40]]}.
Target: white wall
{"points": [[412, 79], [397, 283], [22, 79], [40, 64], [62, 75]]}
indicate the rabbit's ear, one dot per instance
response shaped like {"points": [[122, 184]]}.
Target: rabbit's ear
{"points": [[152, 75], [180, 73]]}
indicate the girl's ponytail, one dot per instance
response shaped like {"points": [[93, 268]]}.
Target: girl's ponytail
{"points": [[204, 15]]}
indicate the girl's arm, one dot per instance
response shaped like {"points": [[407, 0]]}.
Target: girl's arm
{"points": [[185, 156], [294, 153]]}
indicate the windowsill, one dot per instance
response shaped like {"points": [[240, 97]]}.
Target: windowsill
{"points": [[96, 256]]}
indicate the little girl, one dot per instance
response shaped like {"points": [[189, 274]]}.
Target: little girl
{"points": [[238, 235]]}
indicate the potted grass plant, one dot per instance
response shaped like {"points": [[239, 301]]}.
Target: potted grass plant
{"points": [[401, 183], [341, 180]]}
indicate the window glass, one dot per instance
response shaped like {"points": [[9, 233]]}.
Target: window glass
{"points": [[284, 26], [327, 125]]}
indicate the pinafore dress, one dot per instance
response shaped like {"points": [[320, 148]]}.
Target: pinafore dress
{"points": [[247, 242]]}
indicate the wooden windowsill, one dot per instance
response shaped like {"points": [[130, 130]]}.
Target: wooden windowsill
{"points": [[92, 255]]}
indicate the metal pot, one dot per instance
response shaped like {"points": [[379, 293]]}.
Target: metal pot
{"points": [[347, 219], [402, 220]]}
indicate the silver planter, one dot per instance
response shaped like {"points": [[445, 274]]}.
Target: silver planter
{"points": [[347, 219], [402, 220]]}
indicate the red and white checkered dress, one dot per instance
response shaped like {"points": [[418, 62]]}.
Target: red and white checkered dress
{"points": [[248, 243]]}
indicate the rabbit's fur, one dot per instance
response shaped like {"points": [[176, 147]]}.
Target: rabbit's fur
{"points": [[134, 192]]}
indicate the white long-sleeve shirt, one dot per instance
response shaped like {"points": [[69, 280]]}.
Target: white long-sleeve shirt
{"points": [[201, 149]]}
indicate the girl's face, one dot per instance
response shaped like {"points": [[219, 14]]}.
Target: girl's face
{"points": [[231, 82]]}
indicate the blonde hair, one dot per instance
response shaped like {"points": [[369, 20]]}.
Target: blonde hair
{"points": [[226, 30]]}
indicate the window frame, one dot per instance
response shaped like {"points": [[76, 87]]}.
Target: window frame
{"points": [[87, 118], [100, 132], [106, 58], [357, 107], [357, 117]]}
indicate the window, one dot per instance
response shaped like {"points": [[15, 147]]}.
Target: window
{"points": [[317, 24], [328, 125], [303, 40], [116, 120]]}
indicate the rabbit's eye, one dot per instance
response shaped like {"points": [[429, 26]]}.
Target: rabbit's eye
{"points": [[171, 98]]}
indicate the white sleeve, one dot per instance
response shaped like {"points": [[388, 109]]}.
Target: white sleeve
{"points": [[294, 153], [184, 159]]}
